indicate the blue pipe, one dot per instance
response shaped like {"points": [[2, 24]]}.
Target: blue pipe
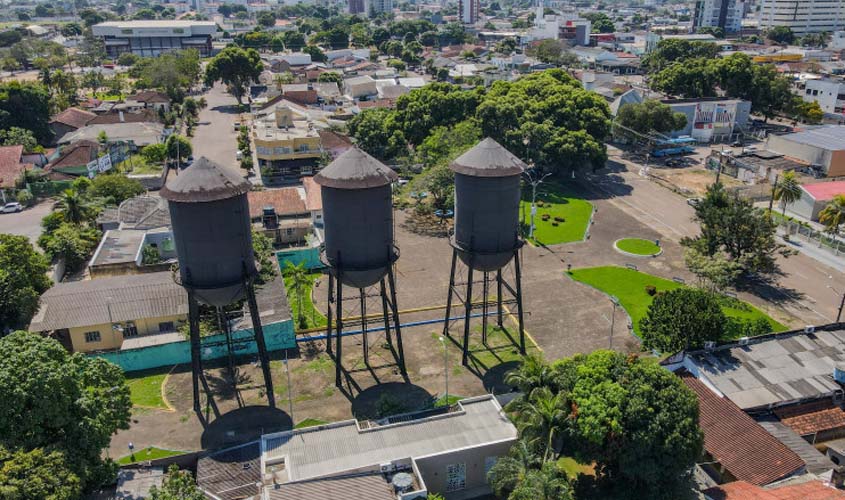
{"points": [[380, 328]]}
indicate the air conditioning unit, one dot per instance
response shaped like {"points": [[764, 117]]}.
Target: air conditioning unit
{"points": [[809, 329], [386, 467], [709, 345], [743, 341]]}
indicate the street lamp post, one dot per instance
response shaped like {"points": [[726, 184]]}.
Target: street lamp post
{"points": [[535, 180], [445, 366], [841, 303], [615, 302]]}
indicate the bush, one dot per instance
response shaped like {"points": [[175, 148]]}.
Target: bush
{"points": [[555, 224], [154, 153], [651, 290], [560, 219], [545, 216]]}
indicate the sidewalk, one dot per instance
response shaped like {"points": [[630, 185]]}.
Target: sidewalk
{"points": [[813, 251]]}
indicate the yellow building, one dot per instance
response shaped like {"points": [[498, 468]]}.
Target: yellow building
{"points": [[118, 312], [287, 146]]}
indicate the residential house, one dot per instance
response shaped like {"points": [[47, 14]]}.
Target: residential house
{"points": [[139, 134], [69, 120], [70, 160], [814, 197], [154, 99], [360, 87], [804, 489], [12, 167], [281, 214]]}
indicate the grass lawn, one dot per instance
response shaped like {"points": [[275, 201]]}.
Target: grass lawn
{"points": [[105, 96], [629, 287], [441, 401], [638, 246], [309, 422], [313, 317], [145, 390], [138, 165], [558, 201], [150, 453], [573, 468]]}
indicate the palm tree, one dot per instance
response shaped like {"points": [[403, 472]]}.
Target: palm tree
{"points": [[833, 215], [74, 207], [298, 277], [547, 483], [532, 374], [787, 190], [508, 471], [541, 418]]}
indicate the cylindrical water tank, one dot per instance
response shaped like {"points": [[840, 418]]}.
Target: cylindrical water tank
{"points": [[209, 213], [358, 217], [487, 205]]}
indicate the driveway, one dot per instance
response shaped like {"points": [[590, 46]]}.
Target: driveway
{"points": [[215, 137], [26, 223]]}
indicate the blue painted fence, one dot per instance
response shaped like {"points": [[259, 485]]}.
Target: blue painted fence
{"points": [[278, 336]]}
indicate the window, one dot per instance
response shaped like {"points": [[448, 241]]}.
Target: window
{"points": [[166, 326], [130, 330], [489, 462], [92, 336], [456, 477], [289, 231]]}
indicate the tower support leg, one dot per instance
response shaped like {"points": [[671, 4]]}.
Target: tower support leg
{"points": [[450, 293], [499, 298], [329, 309], [362, 294], [259, 341], [484, 306], [339, 331], [467, 315], [519, 316], [385, 312], [196, 360], [391, 282]]}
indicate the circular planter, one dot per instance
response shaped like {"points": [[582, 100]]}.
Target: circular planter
{"points": [[637, 247]]}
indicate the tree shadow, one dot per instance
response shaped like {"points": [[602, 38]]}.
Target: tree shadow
{"points": [[391, 398], [228, 109], [494, 378], [243, 425]]}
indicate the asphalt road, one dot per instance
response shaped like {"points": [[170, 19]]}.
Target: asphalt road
{"points": [[26, 223], [215, 137], [803, 289]]}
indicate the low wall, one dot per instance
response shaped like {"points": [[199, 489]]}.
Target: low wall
{"points": [[278, 336], [310, 256]]}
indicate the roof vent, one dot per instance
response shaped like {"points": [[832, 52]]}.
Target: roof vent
{"points": [[402, 482]]}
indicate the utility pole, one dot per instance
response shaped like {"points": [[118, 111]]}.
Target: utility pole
{"points": [[290, 394], [615, 302], [772, 197], [841, 304]]}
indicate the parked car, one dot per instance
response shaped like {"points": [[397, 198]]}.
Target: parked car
{"points": [[12, 207], [693, 202], [237, 126], [239, 155]]}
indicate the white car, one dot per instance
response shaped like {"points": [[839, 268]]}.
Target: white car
{"points": [[12, 207]]}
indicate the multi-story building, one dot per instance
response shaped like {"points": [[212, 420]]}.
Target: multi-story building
{"points": [[152, 38], [286, 146], [725, 14], [803, 16], [576, 31], [468, 10], [828, 92], [357, 7], [375, 7]]}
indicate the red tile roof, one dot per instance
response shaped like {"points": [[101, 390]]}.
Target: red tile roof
{"points": [[740, 490], [739, 443], [336, 144], [303, 97], [11, 167], [379, 103], [74, 117], [812, 417], [313, 195], [823, 191], [286, 201], [75, 155]]}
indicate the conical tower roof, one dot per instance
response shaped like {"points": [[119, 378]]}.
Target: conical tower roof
{"points": [[488, 159], [355, 169], [205, 181]]}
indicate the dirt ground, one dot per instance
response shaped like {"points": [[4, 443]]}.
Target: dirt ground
{"points": [[561, 316]]}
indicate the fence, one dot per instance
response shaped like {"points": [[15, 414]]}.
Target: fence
{"points": [[278, 336], [48, 188], [821, 239]]}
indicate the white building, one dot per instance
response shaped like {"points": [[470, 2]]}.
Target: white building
{"points": [[152, 38], [725, 14], [828, 92], [803, 16], [468, 10]]}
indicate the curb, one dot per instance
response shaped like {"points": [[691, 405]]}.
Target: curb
{"points": [[629, 254]]}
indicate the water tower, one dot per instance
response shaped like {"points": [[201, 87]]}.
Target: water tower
{"points": [[486, 236], [359, 249], [209, 213]]}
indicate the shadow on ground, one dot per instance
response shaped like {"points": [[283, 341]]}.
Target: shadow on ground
{"points": [[244, 424]]}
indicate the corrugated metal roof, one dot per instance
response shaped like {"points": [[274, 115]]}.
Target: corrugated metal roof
{"points": [[355, 169], [320, 451], [488, 159], [817, 462], [831, 137], [363, 487], [775, 370], [205, 181], [109, 300]]}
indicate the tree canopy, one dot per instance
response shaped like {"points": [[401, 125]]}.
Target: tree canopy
{"points": [[177, 485], [115, 188], [23, 278], [236, 68], [781, 34], [37, 475], [649, 116], [26, 106], [679, 319], [57, 401]]}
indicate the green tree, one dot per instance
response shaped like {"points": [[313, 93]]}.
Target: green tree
{"points": [[23, 278], [127, 59], [439, 182], [72, 242], [266, 19], [37, 475], [533, 373], [262, 249], [648, 116], [294, 40], [297, 275], [787, 190], [546, 483], [510, 470], [154, 153], [684, 318], [377, 133], [330, 77], [601, 23], [177, 485], [693, 78], [236, 68], [115, 188], [833, 214], [543, 418], [26, 106], [677, 50], [178, 148], [548, 51], [59, 401], [16, 135], [74, 207], [715, 272], [444, 144], [781, 34]]}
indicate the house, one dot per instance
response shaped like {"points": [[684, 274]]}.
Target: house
{"points": [[814, 197], [313, 201], [139, 134], [70, 161], [287, 145], [360, 87], [100, 314], [12, 167], [149, 99], [444, 450], [808, 489], [280, 214], [711, 119], [822, 147], [69, 120]]}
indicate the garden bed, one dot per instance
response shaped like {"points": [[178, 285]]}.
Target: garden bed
{"points": [[637, 247]]}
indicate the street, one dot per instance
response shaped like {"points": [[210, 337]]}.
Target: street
{"points": [[26, 223], [802, 289], [215, 136]]}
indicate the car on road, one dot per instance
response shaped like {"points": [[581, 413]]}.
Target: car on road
{"points": [[693, 202], [239, 155], [12, 207], [237, 126]]}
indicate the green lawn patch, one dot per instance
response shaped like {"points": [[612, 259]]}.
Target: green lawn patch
{"points": [[145, 390], [151, 453], [312, 317], [638, 246], [441, 401], [138, 165], [106, 96], [556, 201], [573, 468], [310, 422], [629, 287]]}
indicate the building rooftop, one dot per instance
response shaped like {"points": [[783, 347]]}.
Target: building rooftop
{"points": [[737, 442], [329, 449], [231, 474], [741, 490], [815, 461], [73, 117], [371, 486], [810, 418], [118, 247], [11, 167], [141, 133], [775, 369], [286, 201], [135, 484], [823, 191], [156, 24], [830, 137], [109, 300]]}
